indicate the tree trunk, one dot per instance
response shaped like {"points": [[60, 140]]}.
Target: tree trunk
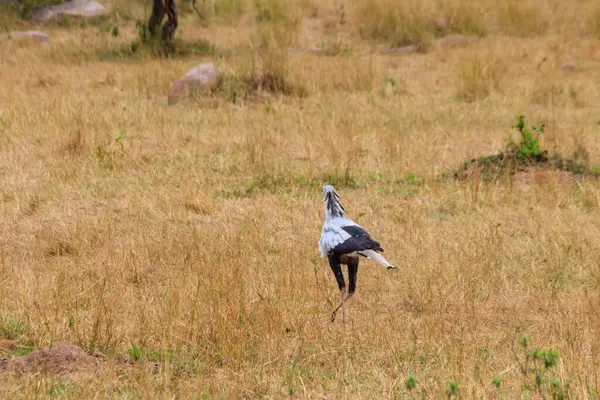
{"points": [[158, 13], [159, 9]]}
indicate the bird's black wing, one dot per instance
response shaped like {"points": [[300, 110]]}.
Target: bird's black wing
{"points": [[358, 241]]}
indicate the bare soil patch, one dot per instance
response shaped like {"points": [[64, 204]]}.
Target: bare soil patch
{"points": [[61, 358]]}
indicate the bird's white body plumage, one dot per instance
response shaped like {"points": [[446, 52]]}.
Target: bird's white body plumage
{"points": [[333, 234]]}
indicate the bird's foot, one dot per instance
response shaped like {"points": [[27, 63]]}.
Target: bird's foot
{"points": [[332, 316], [392, 267]]}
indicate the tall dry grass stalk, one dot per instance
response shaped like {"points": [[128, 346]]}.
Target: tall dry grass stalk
{"points": [[399, 23], [478, 74]]}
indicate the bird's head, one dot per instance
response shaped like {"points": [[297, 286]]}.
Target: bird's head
{"points": [[329, 190], [333, 207]]}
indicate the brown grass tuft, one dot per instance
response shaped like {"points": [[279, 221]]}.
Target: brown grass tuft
{"points": [[465, 17], [398, 23], [520, 18], [478, 75]]}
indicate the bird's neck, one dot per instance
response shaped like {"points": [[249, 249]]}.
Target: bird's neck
{"points": [[333, 210]]}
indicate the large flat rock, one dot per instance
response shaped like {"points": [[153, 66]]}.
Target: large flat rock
{"points": [[203, 77], [75, 8]]}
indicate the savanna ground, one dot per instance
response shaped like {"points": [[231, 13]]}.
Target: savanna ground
{"points": [[181, 241]]}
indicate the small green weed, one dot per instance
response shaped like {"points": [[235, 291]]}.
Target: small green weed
{"points": [[137, 353], [536, 366], [452, 389], [134, 352], [60, 389], [497, 382], [22, 350], [12, 327], [411, 382], [529, 147], [108, 154]]}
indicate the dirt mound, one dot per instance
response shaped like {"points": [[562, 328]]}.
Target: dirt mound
{"points": [[496, 166], [525, 159], [60, 358]]}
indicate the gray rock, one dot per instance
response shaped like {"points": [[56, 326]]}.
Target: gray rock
{"points": [[201, 78], [74, 8], [26, 36]]}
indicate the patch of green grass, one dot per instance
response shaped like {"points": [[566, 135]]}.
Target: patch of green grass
{"points": [[22, 350], [57, 390], [138, 353], [140, 50], [12, 327]]}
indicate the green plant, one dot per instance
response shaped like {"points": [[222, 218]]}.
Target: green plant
{"points": [[22, 350], [138, 353], [12, 328], [528, 148], [497, 382], [108, 154], [452, 389], [536, 366], [410, 383], [134, 352], [559, 390]]}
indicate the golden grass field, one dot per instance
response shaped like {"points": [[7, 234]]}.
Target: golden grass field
{"points": [[187, 259]]}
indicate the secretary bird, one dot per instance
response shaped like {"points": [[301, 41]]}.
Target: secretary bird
{"points": [[342, 242]]}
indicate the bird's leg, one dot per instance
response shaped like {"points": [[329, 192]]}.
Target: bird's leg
{"points": [[333, 313], [352, 263], [352, 270], [336, 267]]}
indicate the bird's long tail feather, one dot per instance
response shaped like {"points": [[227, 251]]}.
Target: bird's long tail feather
{"points": [[378, 258]]}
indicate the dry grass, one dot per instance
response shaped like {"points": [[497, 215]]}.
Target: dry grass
{"points": [[478, 74], [181, 242], [399, 23]]}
